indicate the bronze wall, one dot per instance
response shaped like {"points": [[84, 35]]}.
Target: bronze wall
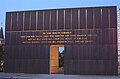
{"points": [[89, 36], [90, 59], [27, 59]]}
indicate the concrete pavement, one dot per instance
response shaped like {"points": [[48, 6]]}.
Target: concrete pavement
{"points": [[52, 76]]}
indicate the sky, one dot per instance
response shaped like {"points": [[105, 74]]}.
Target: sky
{"points": [[20, 5]]}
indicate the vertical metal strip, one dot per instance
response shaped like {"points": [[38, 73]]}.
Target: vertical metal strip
{"points": [[30, 22], [86, 17], [109, 17], [43, 20], [36, 20], [101, 26], [11, 23], [93, 19], [78, 18], [71, 19], [64, 19], [17, 19], [101, 17], [23, 20], [57, 19], [109, 25], [50, 22]]}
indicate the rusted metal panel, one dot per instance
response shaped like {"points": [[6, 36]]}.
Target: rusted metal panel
{"points": [[14, 21], [80, 60], [90, 18], [54, 19], [47, 20], [8, 21], [68, 19], [20, 21], [61, 19], [74, 18], [27, 20], [89, 36], [82, 18], [40, 20], [26, 60], [33, 20]]}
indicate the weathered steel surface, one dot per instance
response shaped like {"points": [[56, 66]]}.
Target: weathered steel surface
{"points": [[89, 36]]}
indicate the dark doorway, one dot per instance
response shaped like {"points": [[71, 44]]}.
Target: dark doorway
{"points": [[61, 60], [56, 59]]}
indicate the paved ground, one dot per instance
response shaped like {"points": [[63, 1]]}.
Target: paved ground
{"points": [[53, 76]]}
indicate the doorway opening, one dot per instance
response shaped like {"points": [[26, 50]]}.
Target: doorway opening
{"points": [[56, 59]]}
